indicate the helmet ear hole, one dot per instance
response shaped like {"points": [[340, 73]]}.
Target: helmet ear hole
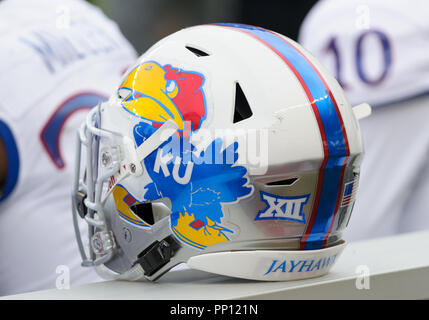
{"points": [[144, 211], [150, 212]]}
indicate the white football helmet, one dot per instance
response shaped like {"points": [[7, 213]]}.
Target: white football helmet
{"points": [[227, 147]]}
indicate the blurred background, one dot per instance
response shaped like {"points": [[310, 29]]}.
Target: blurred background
{"points": [[145, 22]]}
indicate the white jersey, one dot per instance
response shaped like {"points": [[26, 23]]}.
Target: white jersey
{"points": [[57, 59], [378, 52]]}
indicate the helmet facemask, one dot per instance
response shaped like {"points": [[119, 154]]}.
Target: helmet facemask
{"points": [[109, 157]]}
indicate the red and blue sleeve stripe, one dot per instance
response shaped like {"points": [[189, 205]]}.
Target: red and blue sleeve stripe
{"points": [[13, 161], [331, 127], [50, 134]]}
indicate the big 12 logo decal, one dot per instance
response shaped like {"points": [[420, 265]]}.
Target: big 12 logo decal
{"points": [[283, 208]]}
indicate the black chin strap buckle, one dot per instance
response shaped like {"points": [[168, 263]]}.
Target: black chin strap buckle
{"points": [[157, 255]]}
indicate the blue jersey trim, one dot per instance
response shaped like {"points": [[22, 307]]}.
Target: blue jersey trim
{"points": [[12, 154], [50, 134]]}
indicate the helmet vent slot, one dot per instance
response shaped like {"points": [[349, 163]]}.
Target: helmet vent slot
{"points": [[242, 109], [285, 182], [197, 52], [144, 211]]}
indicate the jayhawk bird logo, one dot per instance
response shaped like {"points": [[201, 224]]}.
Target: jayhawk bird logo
{"points": [[195, 185], [196, 194]]}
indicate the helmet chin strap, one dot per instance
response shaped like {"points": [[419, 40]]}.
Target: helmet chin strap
{"points": [[156, 139], [137, 155]]}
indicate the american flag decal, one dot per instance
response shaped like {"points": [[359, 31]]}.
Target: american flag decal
{"points": [[349, 194]]}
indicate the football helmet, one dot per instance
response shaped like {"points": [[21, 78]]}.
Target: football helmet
{"points": [[226, 147]]}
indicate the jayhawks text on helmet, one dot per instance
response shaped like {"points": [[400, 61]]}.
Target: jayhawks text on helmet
{"points": [[306, 265]]}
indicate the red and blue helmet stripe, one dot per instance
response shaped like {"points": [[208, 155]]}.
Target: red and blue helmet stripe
{"points": [[331, 127]]}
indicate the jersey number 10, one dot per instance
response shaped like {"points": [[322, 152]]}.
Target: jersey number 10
{"points": [[386, 54]]}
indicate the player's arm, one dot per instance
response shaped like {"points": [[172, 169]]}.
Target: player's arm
{"points": [[3, 164]]}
